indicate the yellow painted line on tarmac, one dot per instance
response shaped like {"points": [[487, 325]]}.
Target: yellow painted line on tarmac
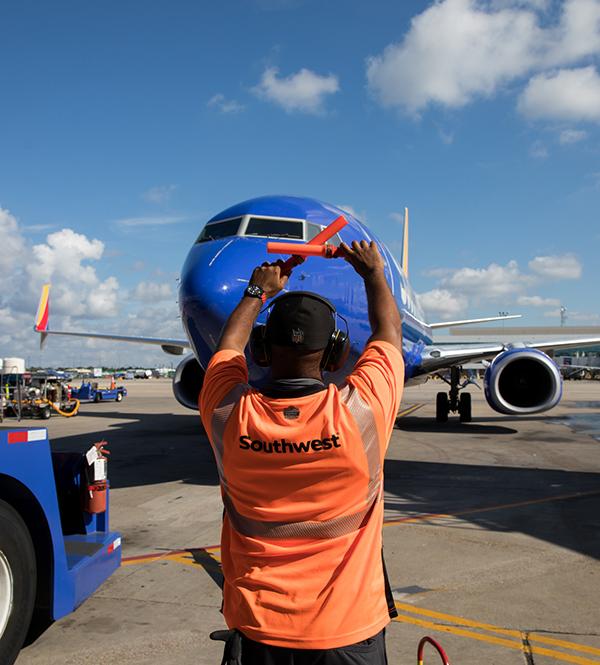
{"points": [[170, 555], [532, 637], [214, 550], [409, 410], [498, 641], [188, 558], [488, 509]]}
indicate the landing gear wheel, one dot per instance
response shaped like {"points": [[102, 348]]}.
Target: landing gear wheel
{"points": [[45, 413], [464, 408], [17, 583], [119, 397], [442, 408]]}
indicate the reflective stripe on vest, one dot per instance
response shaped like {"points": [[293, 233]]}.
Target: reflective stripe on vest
{"points": [[337, 526], [363, 416], [219, 421], [332, 528]]}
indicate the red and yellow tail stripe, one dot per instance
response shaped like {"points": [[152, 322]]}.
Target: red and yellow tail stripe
{"points": [[41, 319]]}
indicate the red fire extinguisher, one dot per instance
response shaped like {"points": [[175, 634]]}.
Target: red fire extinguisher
{"points": [[95, 479]]}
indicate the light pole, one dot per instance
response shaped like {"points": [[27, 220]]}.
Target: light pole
{"points": [[563, 316]]}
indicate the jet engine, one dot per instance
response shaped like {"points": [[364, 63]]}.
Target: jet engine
{"points": [[521, 381], [187, 382]]}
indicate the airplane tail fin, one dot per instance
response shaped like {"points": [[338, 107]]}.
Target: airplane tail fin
{"points": [[405, 244], [41, 319]]}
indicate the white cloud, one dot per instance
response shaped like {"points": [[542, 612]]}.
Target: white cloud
{"points": [[37, 228], [447, 138], [566, 266], [77, 290], [66, 260], [537, 301], [11, 242], [459, 50], [496, 282], [78, 295], [361, 216], [441, 303], [538, 150], [224, 105], [152, 292], [577, 35], [567, 94], [303, 91], [458, 289], [161, 220], [504, 4], [568, 136], [159, 194]]}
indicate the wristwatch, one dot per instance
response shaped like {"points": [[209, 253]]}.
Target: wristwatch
{"points": [[255, 291]]}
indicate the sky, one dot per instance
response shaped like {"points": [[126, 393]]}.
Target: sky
{"points": [[125, 126]]}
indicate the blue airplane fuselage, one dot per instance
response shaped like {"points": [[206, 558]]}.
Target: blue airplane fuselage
{"points": [[217, 271]]}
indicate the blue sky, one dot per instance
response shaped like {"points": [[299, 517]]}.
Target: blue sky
{"points": [[124, 126]]}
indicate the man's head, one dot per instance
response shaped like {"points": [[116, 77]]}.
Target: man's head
{"points": [[300, 338], [301, 321], [299, 329]]}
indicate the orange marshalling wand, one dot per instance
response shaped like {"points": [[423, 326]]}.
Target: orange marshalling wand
{"points": [[302, 251], [321, 238]]}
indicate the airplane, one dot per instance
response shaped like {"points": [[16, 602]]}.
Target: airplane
{"points": [[576, 368], [521, 379]]}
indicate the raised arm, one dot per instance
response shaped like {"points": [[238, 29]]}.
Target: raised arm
{"points": [[384, 317], [238, 326]]}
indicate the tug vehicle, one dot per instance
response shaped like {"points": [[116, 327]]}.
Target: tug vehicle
{"points": [[56, 547], [90, 392]]}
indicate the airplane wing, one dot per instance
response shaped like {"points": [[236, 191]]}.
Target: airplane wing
{"points": [[441, 356], [175, 347], [468, 322]]}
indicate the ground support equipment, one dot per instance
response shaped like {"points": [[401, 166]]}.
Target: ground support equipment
{"points": [[53, 553]]}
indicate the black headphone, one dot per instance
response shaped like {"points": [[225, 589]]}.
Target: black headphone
{"points": [[335, 353]]}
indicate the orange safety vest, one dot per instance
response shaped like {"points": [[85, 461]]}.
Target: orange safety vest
{"points": [[302, 484]]}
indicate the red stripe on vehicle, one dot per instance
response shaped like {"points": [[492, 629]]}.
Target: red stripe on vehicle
{"points": [[17, 437]]}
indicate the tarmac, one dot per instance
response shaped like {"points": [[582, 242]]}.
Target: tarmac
{"points": [[492, 534]]}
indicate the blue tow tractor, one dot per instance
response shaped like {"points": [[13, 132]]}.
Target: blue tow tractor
{"points": [[56, 548], [89, 392]]}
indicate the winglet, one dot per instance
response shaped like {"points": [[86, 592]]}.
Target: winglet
{"points": [[41, 319], [405, 245]]}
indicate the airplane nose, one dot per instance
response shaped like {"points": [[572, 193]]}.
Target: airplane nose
{"points": [[214, 277]]}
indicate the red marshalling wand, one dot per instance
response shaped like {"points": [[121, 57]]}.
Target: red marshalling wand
{"points": [[314, 247]]}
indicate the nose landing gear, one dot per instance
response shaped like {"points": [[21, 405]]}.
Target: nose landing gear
{"points": [[454, 401]]}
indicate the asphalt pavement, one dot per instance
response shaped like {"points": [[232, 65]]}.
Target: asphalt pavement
{"points": [[492, 534]]}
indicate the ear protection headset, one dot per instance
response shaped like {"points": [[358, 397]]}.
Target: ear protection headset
{"points": [[335, 353]]}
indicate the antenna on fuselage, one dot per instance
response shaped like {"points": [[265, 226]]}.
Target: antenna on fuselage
{"points": [[405, 245]]}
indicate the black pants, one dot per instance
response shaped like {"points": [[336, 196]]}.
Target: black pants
{"points": [[367, 652]]}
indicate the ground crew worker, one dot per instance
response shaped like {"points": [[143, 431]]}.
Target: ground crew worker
{"points": [[301, 471]]}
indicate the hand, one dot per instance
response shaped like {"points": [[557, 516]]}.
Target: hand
{"points": [[268, 276], [363, 257]]}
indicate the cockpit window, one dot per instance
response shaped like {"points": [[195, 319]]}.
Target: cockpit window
{"points": [[314, 229], [275, 228], [215, 230]]}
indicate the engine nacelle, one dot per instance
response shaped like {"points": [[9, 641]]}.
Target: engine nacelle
{"points": [[187, 382], [522, 381]]}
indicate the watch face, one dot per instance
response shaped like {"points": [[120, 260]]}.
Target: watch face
{"points": [[254, 290]]}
